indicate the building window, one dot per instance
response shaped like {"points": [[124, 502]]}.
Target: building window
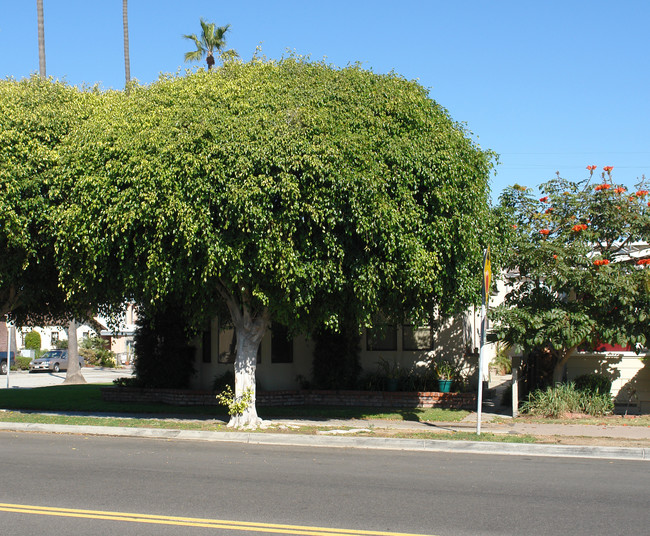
{"points": [[206, 346], [417, 338], [281, 344], [54, 338], [382, 336]]}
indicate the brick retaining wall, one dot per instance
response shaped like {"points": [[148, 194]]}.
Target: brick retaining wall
{"points": [[179, 397]]}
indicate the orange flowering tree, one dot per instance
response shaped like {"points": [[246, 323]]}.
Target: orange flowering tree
{"points": [[577, 265]]}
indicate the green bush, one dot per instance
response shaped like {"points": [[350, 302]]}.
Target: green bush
{"points": [[593, 383], [566, 398], [422, 379], [33, 341], [94, 352], [22, 363], [61, 344]]}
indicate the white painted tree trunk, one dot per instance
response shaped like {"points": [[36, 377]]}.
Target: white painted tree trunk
{"points": [[250, 327], [73, 374], [248, 342]]}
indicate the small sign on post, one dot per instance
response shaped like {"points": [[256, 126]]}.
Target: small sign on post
{"points": [[487, 279]]}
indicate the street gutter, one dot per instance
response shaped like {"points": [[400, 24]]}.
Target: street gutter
{"points": [[384, 443]]}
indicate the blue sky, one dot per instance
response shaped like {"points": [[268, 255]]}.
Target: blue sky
{"points": [[548, 85]]}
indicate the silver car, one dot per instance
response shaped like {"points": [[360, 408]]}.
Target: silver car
{"points": [[54, 360]]}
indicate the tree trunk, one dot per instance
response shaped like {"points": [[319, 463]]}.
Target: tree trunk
{"points": [[250, 329], [41, 38], [127, 57], [248, 343], [560, 363], [73, 375]]}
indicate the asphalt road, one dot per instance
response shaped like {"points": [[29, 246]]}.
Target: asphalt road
{"points": [[389, 491], [24, 378]]}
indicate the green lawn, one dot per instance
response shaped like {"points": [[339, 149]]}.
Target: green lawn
{"points": [[87, 398]]}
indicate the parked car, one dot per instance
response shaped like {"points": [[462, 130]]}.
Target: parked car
{"points": [[54, 360], [3, 362]]}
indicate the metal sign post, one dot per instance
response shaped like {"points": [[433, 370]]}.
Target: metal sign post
{"points": [[8, 350], [487, 278]]}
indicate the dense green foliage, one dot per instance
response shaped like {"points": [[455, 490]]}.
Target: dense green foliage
{"points": [[284, 185], [577, 266], [22, 363], [35, 116], [562, 399], [593, 383], [95, 352], [33, 341]]}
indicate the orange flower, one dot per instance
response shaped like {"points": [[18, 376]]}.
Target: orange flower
{"points": [[642, 193], [544, 232], [549, 210], [603, 187], [555, 256], [643, 261], [591, 168], [514, 226], [601, 262], [620, 190], [580, 227], [608, 168], [544, 199]]}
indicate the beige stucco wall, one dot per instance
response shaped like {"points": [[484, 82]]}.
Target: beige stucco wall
{"points": [[451, 339], [629, 372]]}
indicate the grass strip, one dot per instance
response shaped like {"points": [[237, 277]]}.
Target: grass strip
{"points": [[87, 398]]}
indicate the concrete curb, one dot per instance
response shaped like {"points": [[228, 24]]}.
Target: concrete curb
{"points": [[428, 445]]}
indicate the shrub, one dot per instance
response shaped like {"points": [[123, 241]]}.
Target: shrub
{"points": [[33, 341], [94, 352], [163, 356], [22, 363], [61, 344], [565, 398], [126, 382], [593, 383]]}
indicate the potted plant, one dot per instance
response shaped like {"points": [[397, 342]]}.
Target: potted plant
{"points": [[446, 373]]}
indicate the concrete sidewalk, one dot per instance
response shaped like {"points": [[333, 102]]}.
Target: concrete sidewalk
{"points": [[349, 433]]}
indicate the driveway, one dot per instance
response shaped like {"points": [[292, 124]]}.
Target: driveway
{"points": [[24, 379]]}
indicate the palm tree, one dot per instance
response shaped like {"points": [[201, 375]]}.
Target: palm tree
{"points": [[41, 39], [211, 39], [127, 57]]}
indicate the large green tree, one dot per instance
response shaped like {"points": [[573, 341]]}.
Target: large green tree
{"points": [[576, 260], [211, 40], [279, 189], [35, 116]]}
